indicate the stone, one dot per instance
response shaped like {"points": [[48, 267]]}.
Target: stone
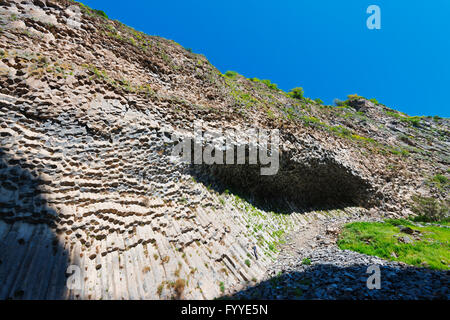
{"points": [[407, 230], [88, 180]]}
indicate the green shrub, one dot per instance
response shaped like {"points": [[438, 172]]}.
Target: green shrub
{"points": [[339, 102], [318, 101], [345, 131], [439, 178], [342, 131], [399, 151], [269, 84], [440, 181], [100, 13], [296, 93], [91, 11], [247, 263], [231, 74], [414, 121], [429, 209], [311, 121], [393, 114], [306, 261], [354, 97]]}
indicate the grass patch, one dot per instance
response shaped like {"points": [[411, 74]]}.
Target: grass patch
{"points": [[411, 121], [440, 181], [267, 82], [430, 248], [231, 74], [92, 12], [306, 261]]}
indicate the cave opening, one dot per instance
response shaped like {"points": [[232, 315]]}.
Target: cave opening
{"points": [[312, 185]]}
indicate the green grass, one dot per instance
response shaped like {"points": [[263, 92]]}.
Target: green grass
{"points": [[443, 222], [231, 74], [92, 12], [380, 239], [440, 181], [306, 261], [267, 82]]}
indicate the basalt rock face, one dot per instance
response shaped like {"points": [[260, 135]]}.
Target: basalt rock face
{"points": [[94, 205], [310, 182]]}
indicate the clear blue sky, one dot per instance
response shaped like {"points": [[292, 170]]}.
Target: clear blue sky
{"points": [[323, 46]]}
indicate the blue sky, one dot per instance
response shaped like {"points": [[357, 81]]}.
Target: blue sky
{"points": [[323, 46]]}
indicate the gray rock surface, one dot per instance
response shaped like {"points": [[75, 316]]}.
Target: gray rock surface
{"points": [[88, 182]]}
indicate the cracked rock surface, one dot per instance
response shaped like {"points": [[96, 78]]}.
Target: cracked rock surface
{"points": [[93, 205]]}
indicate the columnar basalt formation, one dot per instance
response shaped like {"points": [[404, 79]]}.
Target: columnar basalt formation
{"points": [[89, 187]]}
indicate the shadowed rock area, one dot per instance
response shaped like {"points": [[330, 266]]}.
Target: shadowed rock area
{"points": [[88, 107], [330, 281], [33, 260], [319, 183]]}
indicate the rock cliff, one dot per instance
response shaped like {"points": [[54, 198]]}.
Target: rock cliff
{"points": [[90, 191]]}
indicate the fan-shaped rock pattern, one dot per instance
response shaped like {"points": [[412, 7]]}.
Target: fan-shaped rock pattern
{"points": [[93, 204]]}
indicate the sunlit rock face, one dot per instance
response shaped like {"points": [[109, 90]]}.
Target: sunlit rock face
{"points": [[93, 204]]}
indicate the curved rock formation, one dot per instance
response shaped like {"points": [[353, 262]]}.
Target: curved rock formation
{"points": [[94, 206]]}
